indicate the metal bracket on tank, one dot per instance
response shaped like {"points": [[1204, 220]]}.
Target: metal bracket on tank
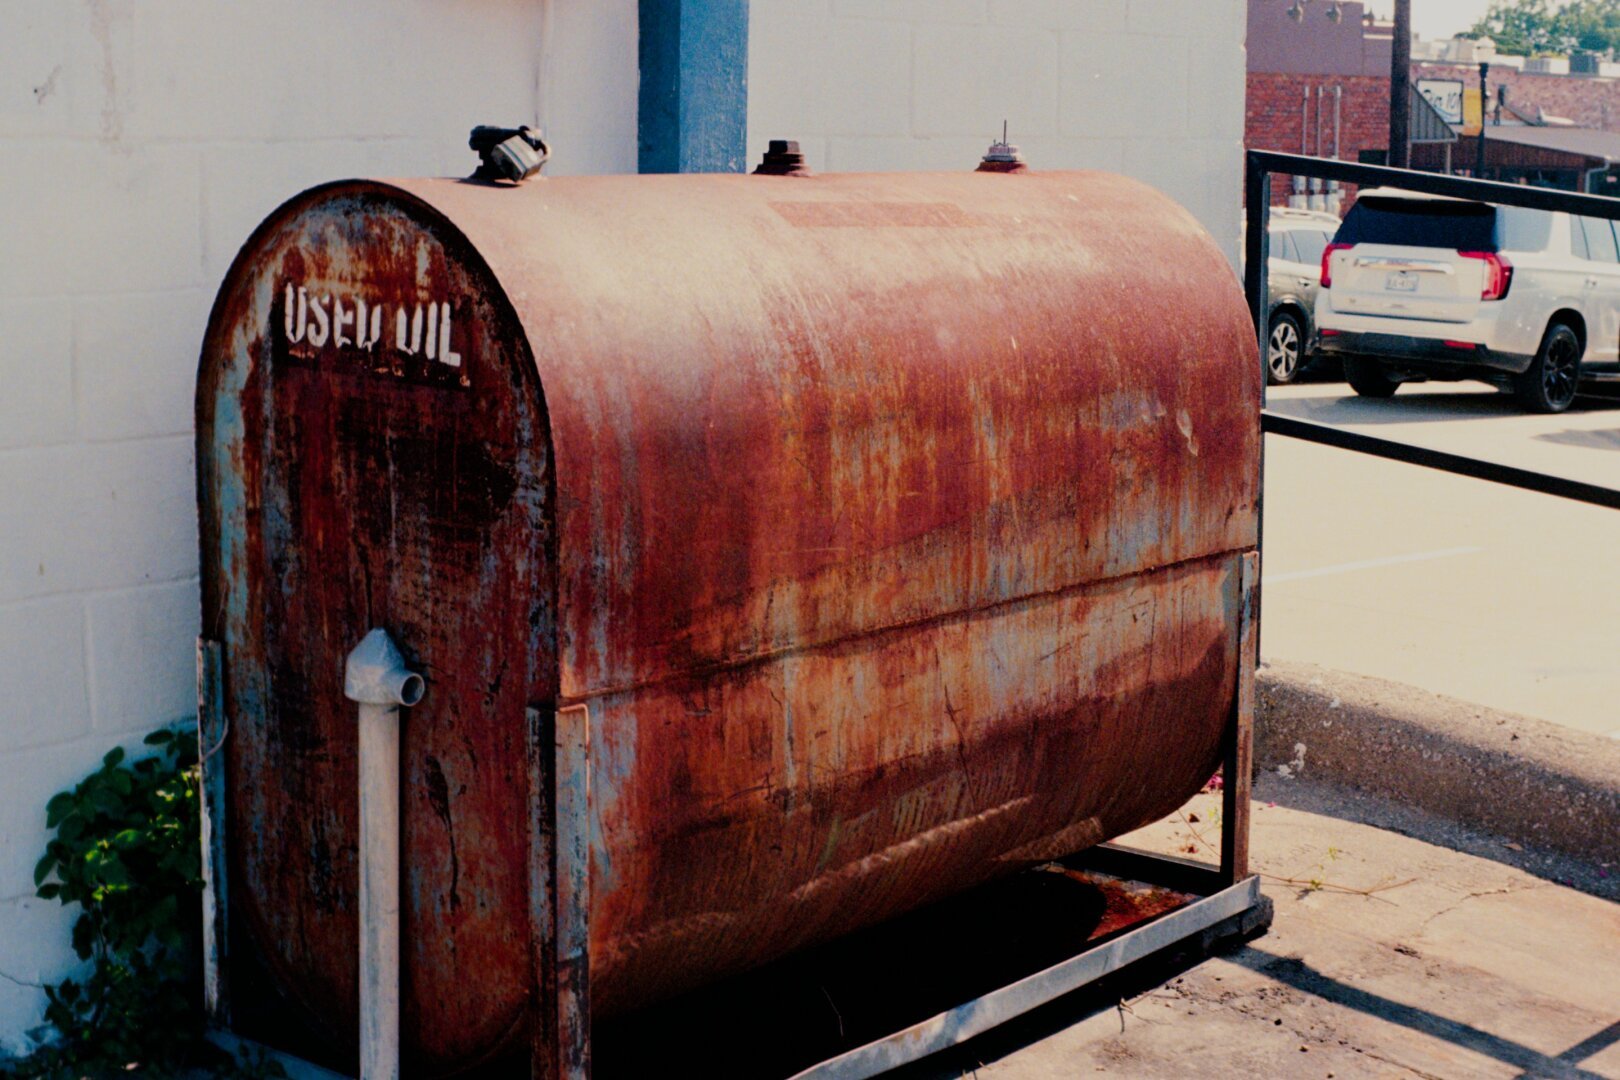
{"points": [[559, 749], [212, 727]]}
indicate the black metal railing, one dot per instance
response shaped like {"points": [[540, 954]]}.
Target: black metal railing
{"points": [[1261, 165]]}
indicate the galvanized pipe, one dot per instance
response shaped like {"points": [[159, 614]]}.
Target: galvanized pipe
{"points": [[1298, 200], [1338, 107], [375, 676], [1315, 184], [1335, 197]]}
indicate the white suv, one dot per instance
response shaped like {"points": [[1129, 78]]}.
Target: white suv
{"points": [[1417, 287]]}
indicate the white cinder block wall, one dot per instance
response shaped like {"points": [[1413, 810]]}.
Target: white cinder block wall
{"points": [[140, 142], [1150, 88]]}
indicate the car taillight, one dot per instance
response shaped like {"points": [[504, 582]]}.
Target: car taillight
{"points": [[1327, 262], [1498, 273]]}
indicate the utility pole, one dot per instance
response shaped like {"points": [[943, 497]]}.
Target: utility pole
{"points": [[1400, 88], [1479, 169]]}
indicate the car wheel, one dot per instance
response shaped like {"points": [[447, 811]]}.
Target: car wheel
{"points": [[1369, 378], [1284, 346], [1550, 383]]}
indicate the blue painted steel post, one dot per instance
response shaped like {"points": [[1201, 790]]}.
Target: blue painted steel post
{"points": [[694, 86]]}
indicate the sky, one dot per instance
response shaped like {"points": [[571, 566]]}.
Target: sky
{"points": [[1436, 18]]}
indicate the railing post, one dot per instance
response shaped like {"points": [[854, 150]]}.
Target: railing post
{"points": [[1257, 289], [1257, 251]]}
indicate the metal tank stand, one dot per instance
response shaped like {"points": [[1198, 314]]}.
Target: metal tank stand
{"points": [[1219, 913]]}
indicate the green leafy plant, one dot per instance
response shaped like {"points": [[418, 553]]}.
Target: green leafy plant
{"points": [[127, 850]]}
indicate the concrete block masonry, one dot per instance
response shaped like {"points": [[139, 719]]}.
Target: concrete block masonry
{"points": [[142, 670], [89, 516], [42, 647], [37, 407], [1017, 74], [908, 84], [1526, 780], [124, 332]]}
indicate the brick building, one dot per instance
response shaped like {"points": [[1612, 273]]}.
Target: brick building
{"points": [[1298, 72], [1316, 85], [1589, 101], [1285, 111]]}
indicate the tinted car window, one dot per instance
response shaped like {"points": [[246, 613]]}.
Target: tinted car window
{"points": [[1577, 239], [1282, 246], [1436, 223], [1600, 240], [1518, 229], [1310, 244]]}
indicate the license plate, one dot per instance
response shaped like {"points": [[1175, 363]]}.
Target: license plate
{"points": [[1401, 282]]}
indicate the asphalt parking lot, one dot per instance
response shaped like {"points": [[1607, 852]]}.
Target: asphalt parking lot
{"points": [[1481, 592]]}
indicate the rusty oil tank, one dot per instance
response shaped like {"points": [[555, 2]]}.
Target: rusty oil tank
{"points": [[888, 526]]}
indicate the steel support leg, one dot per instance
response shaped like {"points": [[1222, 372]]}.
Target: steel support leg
{"points": [[1238, 766]]}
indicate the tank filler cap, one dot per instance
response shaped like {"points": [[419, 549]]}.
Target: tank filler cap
{"points": [[783, 158], [512, 154], [1002, 156]]}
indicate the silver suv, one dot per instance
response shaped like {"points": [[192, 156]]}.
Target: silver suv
{"points": [[1298, 238]]}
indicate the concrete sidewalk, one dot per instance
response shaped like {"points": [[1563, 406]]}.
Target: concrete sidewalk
{"points": [[1391, 956]]}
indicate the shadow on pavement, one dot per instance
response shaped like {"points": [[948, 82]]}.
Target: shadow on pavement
{"points": [[1301, 976], [1407, 407], [1426, 402], [1586, 440]]}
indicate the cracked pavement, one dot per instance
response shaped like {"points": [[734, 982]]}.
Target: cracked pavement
{"points": [[1411, 959]]}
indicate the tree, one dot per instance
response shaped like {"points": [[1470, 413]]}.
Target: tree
{"points": [[1594, 25], [1534, 27], [1525, 27]]}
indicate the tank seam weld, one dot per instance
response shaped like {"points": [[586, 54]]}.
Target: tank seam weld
{"points": [[759, 658]]}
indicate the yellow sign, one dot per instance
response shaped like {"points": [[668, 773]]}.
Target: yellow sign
{"points": [[1471, 112]]}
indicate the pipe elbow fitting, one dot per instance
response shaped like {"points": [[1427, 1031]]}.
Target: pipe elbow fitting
{"points": [[375, 673]]}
